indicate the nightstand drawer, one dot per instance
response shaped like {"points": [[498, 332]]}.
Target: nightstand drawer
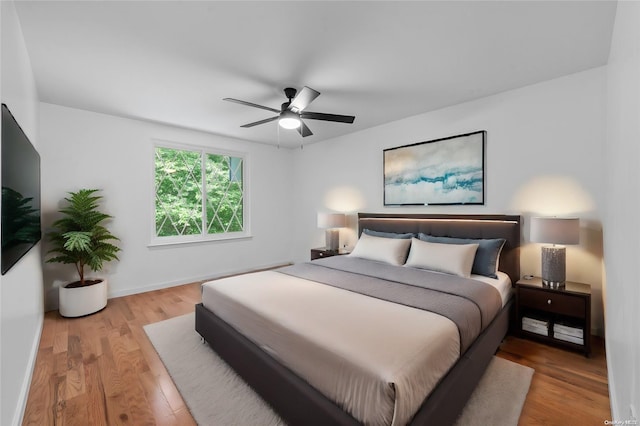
{"points": [[319, 253], [558, 303]]}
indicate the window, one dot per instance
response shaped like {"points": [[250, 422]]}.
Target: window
{"points": [[200, 194]]}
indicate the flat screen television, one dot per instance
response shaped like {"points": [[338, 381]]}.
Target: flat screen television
{"points": [[21, 228]]}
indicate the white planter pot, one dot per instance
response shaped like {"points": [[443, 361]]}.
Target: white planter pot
{"points": [[80, 301]]}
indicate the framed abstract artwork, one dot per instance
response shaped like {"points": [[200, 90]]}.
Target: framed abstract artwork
{"points": [[438, 172]]}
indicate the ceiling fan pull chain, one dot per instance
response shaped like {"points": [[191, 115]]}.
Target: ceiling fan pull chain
{"points": [[278, 130]]}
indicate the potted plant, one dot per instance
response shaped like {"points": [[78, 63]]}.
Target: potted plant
{"points": [[79, 238]]}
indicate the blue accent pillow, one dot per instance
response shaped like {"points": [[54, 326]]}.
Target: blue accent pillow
{"points": [[406, 236], [486, 260]]}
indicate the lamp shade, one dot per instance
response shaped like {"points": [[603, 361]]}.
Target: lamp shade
{"points": [[554, 230], [331, 220]]}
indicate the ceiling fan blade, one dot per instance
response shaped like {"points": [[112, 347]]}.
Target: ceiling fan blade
{"points": [[328, 117], [251, 104], [304, 130], [303, 99], [256, 123]]}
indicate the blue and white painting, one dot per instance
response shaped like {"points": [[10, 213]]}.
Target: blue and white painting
{"points": [[443, 171]]}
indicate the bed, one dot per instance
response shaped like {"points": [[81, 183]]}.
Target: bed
{"points": [[275, 373]]}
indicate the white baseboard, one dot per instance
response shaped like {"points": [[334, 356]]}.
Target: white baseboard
{"points": [[182, 281], [612, 388], [18, 415]]}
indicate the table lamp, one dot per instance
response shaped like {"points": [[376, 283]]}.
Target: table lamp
{"points": [[331, 222], [554, 230]]}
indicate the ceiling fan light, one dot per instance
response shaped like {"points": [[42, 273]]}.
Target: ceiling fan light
{"points": [[289, 120]]}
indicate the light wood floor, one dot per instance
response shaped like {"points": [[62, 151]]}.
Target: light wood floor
{"points": [[102, 370]]}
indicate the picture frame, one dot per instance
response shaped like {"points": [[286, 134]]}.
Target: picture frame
{"points": [[445, 171]]}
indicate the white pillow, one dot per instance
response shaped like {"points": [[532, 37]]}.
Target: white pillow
{"points": [[456, 259], [388, 250]]}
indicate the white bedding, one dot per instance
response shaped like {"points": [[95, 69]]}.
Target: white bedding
{"points": [[502, 284], [376, 359]]}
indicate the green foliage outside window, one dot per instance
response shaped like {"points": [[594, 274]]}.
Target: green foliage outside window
{"points": [[179, 191]]}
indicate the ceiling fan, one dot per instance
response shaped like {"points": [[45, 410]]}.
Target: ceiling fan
{"points": [[292, 112]]}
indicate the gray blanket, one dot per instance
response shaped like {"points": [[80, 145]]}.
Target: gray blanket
{"points": [[470, 304]]}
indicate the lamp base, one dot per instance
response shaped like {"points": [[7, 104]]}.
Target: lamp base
{"points": [[332, 239], [554, 266], [552, 284]]}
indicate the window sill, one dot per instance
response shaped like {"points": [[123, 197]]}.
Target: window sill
{"points": [[170, 241]]}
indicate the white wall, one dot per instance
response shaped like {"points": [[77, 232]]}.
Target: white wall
{"points": [[543, 157], [21, 293], [622, 233], [82, 149]]}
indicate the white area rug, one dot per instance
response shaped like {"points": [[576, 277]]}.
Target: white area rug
{"points": [[216, 396]]}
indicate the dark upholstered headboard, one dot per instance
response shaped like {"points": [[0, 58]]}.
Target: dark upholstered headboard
{"points": [[461, 226]]}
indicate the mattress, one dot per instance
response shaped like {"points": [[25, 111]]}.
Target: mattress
{"points": [[378, 360], [502, 284]]}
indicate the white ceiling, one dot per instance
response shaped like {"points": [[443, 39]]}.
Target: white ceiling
{"points": [[173, 61]]}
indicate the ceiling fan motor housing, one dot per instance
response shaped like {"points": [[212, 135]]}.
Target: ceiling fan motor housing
{"points": [[285, 106]]}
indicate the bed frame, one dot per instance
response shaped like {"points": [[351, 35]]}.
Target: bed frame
{"points": [[300, 404]]}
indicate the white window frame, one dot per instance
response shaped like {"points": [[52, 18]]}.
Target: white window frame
{"points": [[203, 237]]}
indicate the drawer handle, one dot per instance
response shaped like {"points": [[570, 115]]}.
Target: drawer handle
{"points": [[548, 301], [321, 254]]}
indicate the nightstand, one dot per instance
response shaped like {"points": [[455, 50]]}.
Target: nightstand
{"points": [[559, 317], [319, 253]]}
